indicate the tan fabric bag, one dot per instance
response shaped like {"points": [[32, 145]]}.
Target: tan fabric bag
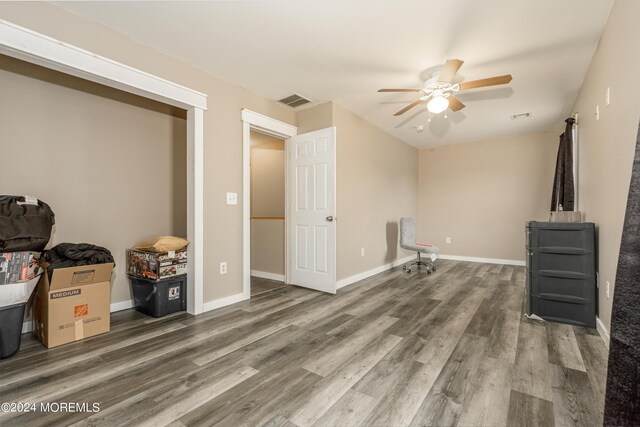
{"points": [[162, 244]]}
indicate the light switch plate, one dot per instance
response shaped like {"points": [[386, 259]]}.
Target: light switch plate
{"points": [[232, 198]]}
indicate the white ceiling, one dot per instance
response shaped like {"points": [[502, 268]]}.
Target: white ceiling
{"points": [[345, 50]]}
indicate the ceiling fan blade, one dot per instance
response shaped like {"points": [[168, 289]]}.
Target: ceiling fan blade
{"points": [[408, 107], [399, 90], [449, 71], [491, 81], [455, 104]]}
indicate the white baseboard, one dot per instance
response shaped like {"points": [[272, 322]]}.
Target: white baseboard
{"points": [[267, 275], [116, 306], [223, 302], [122, 305], [602, 330], [357, 277], [482, 260], [360, 276]]}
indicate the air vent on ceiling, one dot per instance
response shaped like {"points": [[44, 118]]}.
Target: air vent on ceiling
{"points": [[294, 100], [520, 116]]}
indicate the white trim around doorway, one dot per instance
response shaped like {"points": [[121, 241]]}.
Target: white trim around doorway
{"points": [[258, 122]]}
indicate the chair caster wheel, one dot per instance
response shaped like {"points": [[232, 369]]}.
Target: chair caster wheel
{"points": [[404, 267], [429, 272], [409, 271], [433, 269]]}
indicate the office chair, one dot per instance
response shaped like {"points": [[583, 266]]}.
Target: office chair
{"points": [[408, 241]]}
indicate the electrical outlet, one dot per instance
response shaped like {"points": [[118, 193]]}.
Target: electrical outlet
{"points": [[448, 240], [597, 112], [223, 267], [361, 251], [232, 198], [608, 286]]}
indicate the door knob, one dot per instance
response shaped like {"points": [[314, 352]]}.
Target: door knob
{"points": [[329, 218]]}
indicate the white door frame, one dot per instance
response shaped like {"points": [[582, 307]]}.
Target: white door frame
{"points": [[258, 122], [30, 46]]}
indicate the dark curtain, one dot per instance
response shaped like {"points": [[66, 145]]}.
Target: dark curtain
{"points": [[622, 404], [563, 180]]}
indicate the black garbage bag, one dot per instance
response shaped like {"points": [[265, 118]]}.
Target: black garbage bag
{"points": [[67, 255], [25, 224]]}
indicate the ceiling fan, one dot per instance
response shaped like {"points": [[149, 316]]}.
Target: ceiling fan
{"points": [[439, 90]]}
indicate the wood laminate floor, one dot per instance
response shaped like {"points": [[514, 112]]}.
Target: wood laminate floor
{"points": [[396, 349], [260, 285]]}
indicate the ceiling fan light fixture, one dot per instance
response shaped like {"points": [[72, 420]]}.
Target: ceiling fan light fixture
{"points": [[437, 104], [439, 91]]}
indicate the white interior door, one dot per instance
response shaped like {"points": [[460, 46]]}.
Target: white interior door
{"points": [[312, 222]]}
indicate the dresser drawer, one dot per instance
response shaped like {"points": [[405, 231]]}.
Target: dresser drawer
{"points": [[563, 288], [562, 239], [564, 312], [582, 265]]}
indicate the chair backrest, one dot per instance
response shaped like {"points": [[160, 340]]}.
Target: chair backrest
{"points": [[407, 231]]}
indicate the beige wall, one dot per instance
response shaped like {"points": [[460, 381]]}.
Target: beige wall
{"points": [[607, 145], [267, 176], [481, 194], [267, 246], [377, 178], [267, 200], [222, 127], [315, 118], [112, 166]]}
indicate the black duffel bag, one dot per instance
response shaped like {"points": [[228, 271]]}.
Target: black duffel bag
{"points": [[24, 226]]}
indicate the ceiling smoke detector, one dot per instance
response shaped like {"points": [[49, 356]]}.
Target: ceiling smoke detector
{"points": [[520, 116], [294, 100]]}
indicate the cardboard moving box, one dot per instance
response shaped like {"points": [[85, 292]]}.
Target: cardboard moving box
{"points": [[73, 305], [156, 265]]}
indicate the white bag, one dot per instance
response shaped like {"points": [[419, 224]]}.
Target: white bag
{"points": [[17, 293]]}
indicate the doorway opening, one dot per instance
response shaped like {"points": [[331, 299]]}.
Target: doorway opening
{"points": [[268, 213], [309, 203]]}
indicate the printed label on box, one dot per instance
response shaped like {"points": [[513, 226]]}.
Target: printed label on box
{"points": [[81, 310], [181, 269], [174, 293], [169, 270], [65, 294]]}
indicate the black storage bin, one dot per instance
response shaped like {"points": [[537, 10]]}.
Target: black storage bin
{"points": [[10, 329], [158, 298], [24, 227], [561, 272]]}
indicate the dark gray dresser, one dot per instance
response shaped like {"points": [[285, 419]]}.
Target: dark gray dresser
{"points": [[561, 272]]}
